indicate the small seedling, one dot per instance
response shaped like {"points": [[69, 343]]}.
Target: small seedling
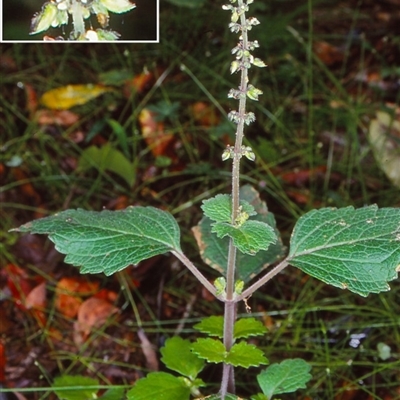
{"points": [[56, 13], [353, 249]]}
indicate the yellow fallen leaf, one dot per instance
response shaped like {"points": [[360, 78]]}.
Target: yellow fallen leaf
{"points": [[69, 96]]}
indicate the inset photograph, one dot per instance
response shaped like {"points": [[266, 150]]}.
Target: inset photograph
{"points": [[81, 20]]}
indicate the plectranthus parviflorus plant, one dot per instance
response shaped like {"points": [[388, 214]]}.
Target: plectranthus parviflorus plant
{"points": [[352, 249]]}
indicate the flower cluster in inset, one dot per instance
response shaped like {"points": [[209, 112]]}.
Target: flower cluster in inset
{"points": [[55, 13]]}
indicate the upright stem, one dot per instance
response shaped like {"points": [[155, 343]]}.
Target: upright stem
{"points": [[228, 380]]}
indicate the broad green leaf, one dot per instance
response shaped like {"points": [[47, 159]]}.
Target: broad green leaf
{"points": [[159, 385], [241, 354], [176, 355], [286, 377], [77, 384], [214, 251], [213, 326], [110, 159], [117, 6], [383, 135], [212, 350], [219, 208], [246, 327], [65, 97], [245, 355], [249, 238], [352, 249], [108, 241]]}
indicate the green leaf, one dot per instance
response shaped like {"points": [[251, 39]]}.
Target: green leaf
{"points": [[176, 355], [108, 241], [159, 385], [214, 251], [352, 249], [77, 384], [212, 350], [219, 208], [249, 238], [245, 355], [286, 377], [110, 159], [246, 327], [213, 326], [241, 354]]}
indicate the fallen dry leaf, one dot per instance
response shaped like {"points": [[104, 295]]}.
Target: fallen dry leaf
{"points": [[93, 313], [63, 118], [154, 133], [69, 292], [36, 298], [65, 97]]}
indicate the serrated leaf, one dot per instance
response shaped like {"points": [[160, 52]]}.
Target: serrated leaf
{"points": [[77, 384], [241, 354], [219, 208], [176, 355], [213, 326], [352, 249], [110, 159], [108, 241], [214, 251], [249, 238], [246, 327], [65, 97], [159, 385], [245, 355], [286, 377], [212, 350]]}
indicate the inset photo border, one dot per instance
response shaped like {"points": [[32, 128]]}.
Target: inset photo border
{"points": [[38, 21]]}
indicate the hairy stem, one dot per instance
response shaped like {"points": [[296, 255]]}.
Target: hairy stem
{"points": [[228, 380]]}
